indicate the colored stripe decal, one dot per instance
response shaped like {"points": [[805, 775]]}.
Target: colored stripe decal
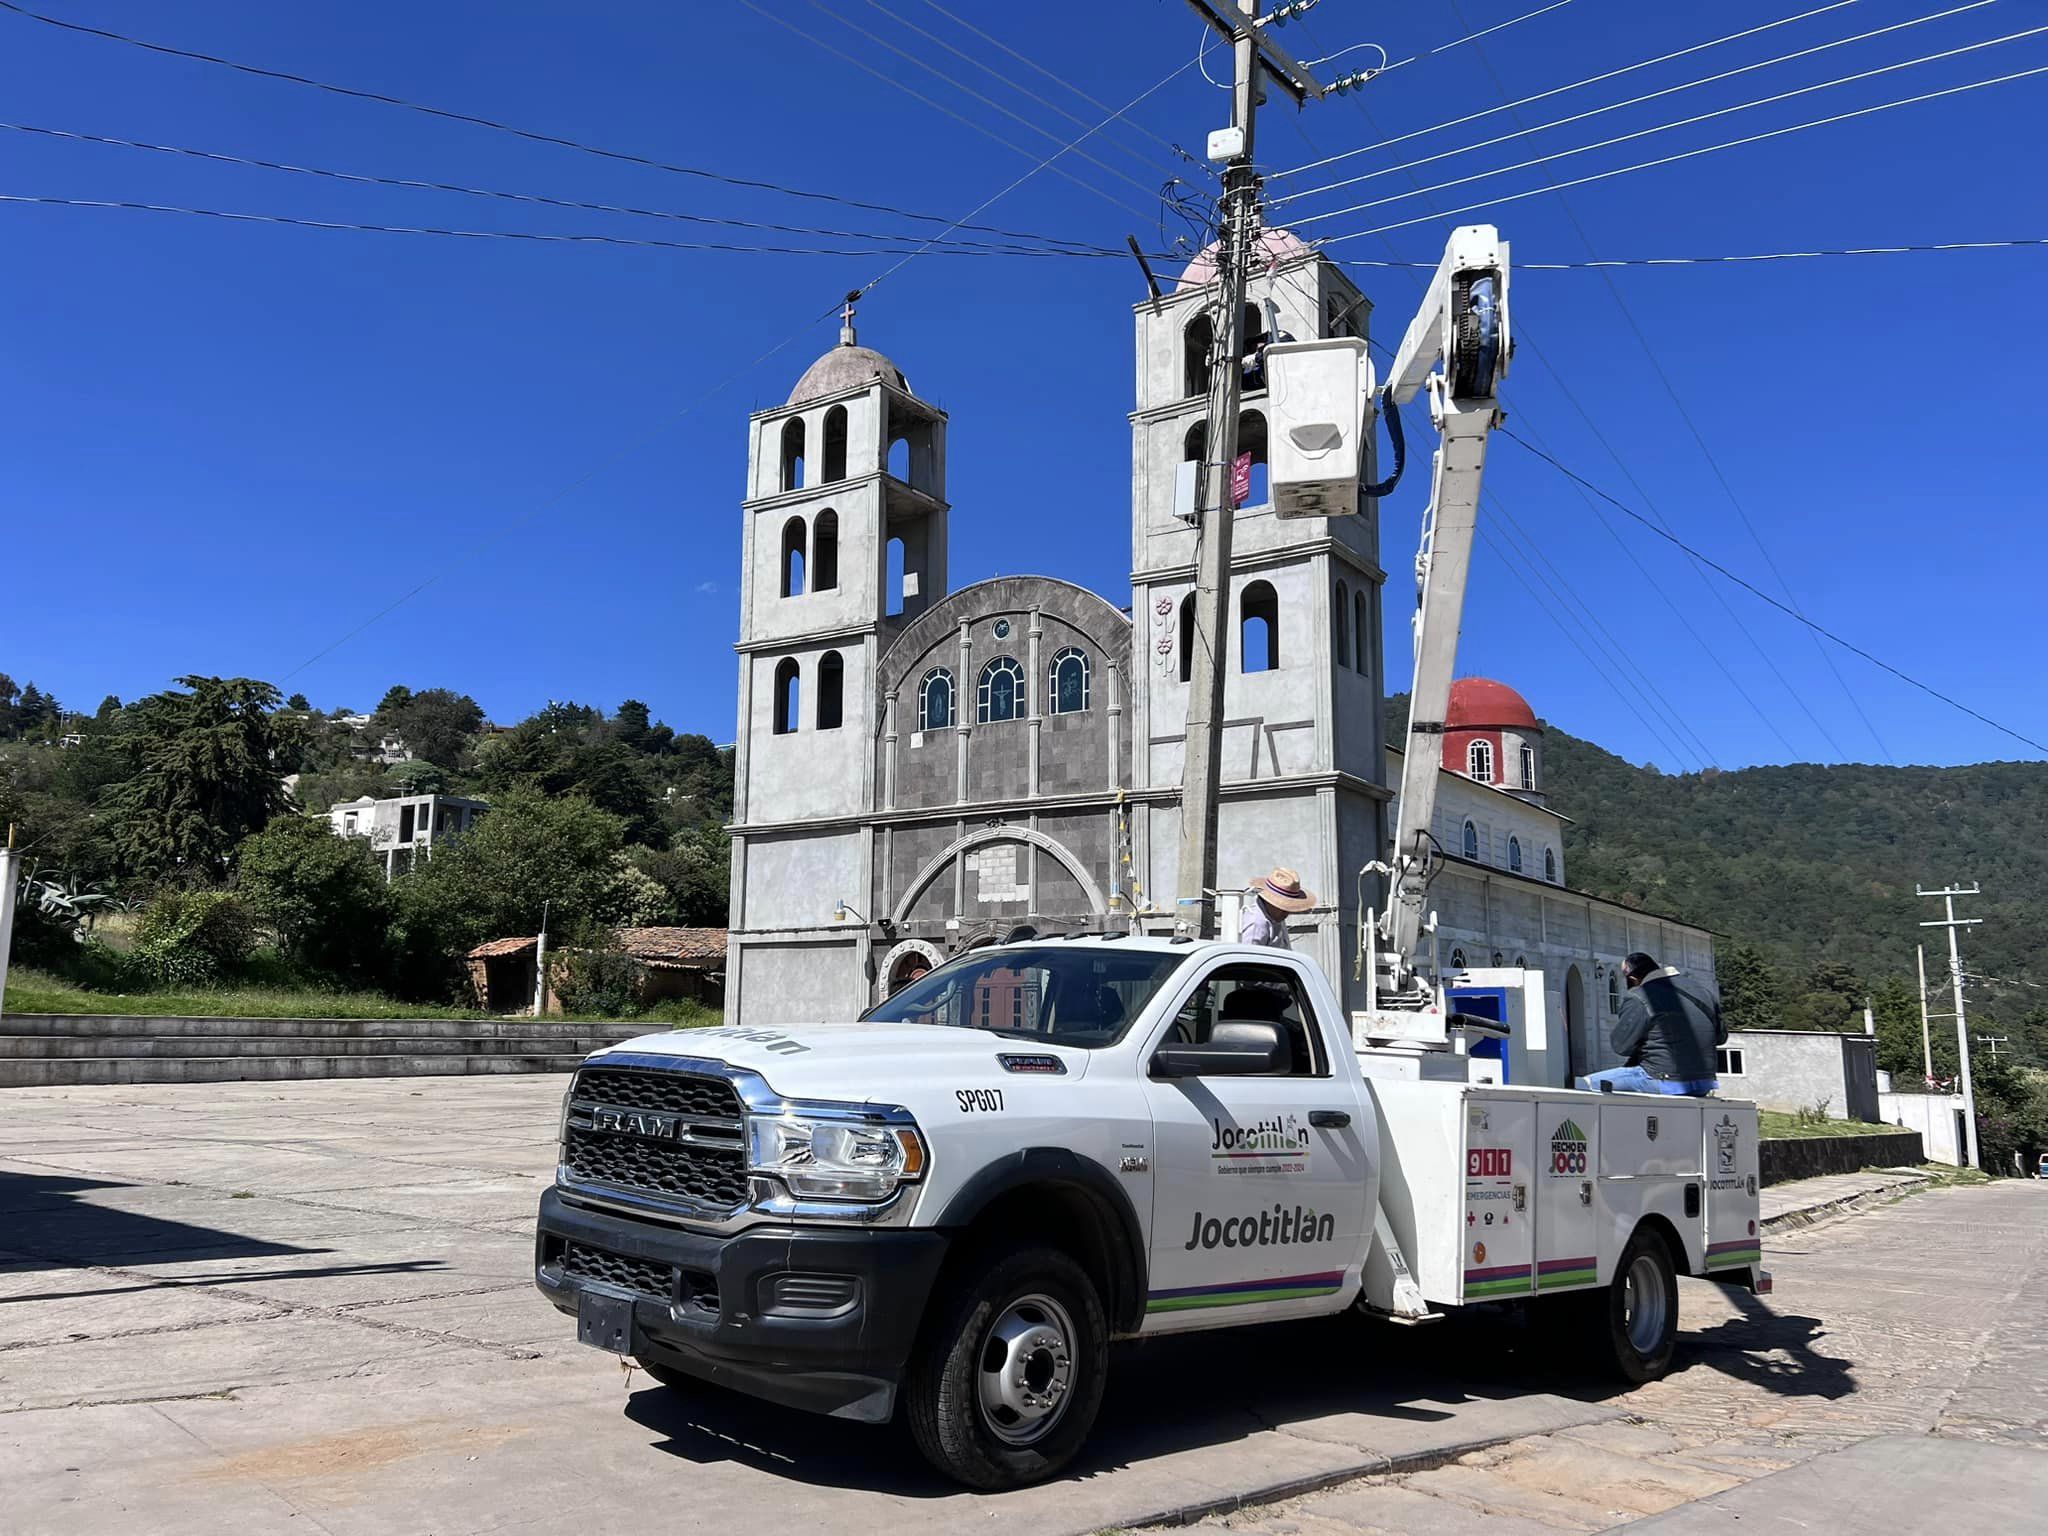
{"points": [[1498, 1272], [1744, 1244], [1739, 1256], [1239, 1293], [1496, 1287], [1549, 1265], [1552, 1272]]}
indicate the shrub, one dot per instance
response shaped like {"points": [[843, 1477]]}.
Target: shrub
{"points": [[596, 978], [322, 896], [194, 938]]}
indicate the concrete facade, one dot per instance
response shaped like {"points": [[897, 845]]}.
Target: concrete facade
{"points": [[1938, 1117], [405, 827], [1791, 1070], [920, 768]]}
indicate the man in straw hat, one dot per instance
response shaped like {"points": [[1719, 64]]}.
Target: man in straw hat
{"points": [[1265, 917]]}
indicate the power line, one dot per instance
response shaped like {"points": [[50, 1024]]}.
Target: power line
{"points": [[1140, 155], [535, 236], [470, 552], [1632, 101], [1689, 154], [1757, 592], [1059, 79], [1685, 622], [1703, 261], [1073, 247], [531, 135], [1683, 122], [1713, 460], [1612, 74], [936, 106]]}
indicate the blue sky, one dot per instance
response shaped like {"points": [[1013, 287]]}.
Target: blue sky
{"points": [[226, 446]]}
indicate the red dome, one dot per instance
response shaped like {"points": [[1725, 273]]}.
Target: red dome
{"points": [[1479, 702]]}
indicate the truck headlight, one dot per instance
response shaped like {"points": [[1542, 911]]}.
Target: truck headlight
{"points": [[833, 1159]]}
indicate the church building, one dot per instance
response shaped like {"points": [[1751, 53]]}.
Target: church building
{"points": [[920, 769]]}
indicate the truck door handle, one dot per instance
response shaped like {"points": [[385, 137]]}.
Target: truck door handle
{"points": [[1328, 1119]]}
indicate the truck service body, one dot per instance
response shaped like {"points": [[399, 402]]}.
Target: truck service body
{"points": [[1128, 1125]]}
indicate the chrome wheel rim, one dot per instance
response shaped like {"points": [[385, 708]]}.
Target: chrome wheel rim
{"points": [[1026, 1372], [1645, 1305]]}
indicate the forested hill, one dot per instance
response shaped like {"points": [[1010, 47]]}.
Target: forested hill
{"points": [[1812, 868]]}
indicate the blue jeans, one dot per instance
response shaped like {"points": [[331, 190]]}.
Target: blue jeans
{"points": [[1636, 1080]]}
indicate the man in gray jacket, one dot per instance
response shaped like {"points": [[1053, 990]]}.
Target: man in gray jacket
{"points": [[1667, 1032]]}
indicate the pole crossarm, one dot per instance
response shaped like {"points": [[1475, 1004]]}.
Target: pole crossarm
{"points": [[1293, 76]]}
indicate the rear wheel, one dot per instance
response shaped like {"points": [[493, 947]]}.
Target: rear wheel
{"points": [[1633, 1320], [1006, 1384]]}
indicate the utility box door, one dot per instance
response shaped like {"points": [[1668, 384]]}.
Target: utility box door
{"points": [[1567, 1213], [1732, 1208], [1317, 397], [1641, 1135], [1499, 1256]]}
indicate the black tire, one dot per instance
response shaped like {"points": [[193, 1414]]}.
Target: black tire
{"points": [[1633, 1331], [1055, 1334]]}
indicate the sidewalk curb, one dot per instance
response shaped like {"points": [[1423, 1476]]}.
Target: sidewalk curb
{"points": [[1828, 1210]]}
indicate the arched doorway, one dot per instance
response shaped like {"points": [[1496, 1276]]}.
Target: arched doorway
{"points": [[1577, 1046], [904, 964]]}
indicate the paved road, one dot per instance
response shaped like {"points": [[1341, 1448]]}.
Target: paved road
{"points": [[1900, 1372], [308, 1307]]}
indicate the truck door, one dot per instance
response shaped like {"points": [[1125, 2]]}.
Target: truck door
{"points": [[1259, 1183]]}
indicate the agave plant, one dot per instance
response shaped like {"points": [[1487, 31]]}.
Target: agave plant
{"points": [[64, 901]]}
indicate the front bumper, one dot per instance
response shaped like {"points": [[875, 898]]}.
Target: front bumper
{"points": [[811, 1318]]}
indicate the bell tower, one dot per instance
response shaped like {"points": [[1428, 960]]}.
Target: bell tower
{"points": [[1303, 755], [844, 543]]}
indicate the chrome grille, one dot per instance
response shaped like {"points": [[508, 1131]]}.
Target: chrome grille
{"points": [[672, 1135]]}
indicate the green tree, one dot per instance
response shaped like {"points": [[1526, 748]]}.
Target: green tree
{"points": [[299, 702], [1752, 991], [204, 776], [322, 897], [110, 707], [436, 724], [633, 725], [493, 882], [397, 696]]}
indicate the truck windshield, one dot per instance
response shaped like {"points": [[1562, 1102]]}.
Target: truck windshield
{"points": [[1061, 993]]}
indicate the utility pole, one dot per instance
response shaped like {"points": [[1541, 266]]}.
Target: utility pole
{"points": [[1926, 1034], [540, 964], [1951, 922], [1256, 58], [1992, 1043]]}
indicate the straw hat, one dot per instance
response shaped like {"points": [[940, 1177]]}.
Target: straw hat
{"points": [[1282, 889]]}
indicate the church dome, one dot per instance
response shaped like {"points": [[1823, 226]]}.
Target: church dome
{"points": [[847, 366], [1274, 247], [1480, 703]]}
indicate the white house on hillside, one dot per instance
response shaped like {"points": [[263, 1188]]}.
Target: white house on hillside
{"points": [[407, 827]]}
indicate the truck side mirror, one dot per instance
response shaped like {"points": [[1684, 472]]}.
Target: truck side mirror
{"points": [[1235, 1048]]}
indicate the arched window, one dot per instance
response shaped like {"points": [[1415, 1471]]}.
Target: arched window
{"points": [[788, 685], [1361, 641], [1198, 348], [1614, 989], [1196, 441], [1066, 685], [835, 444], [1187, 638], [899, 459], [831, 691], [792, 453], [1340, 614], [1251, 444], [1471, 841], [935, 700], [1550, 865], [825, 552], [1479, 761], [896, 567], [793, 558], [1258, 628], [1003, 694], [1528, 767], [1458, 959], [1515, 855]]}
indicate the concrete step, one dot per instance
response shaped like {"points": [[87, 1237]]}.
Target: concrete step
{"points": [[74, 1047], [82, 1024], [46, 1073]]}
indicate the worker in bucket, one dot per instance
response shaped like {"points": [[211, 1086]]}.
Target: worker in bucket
{"points": [[1274, 896], [1667, 1032]]}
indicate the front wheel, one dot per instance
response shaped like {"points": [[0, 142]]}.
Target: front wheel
{"points": [[1633, 1320], [1006, 1384]]}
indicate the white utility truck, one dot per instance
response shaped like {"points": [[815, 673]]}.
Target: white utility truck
{"points": [[955, 1205]]}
